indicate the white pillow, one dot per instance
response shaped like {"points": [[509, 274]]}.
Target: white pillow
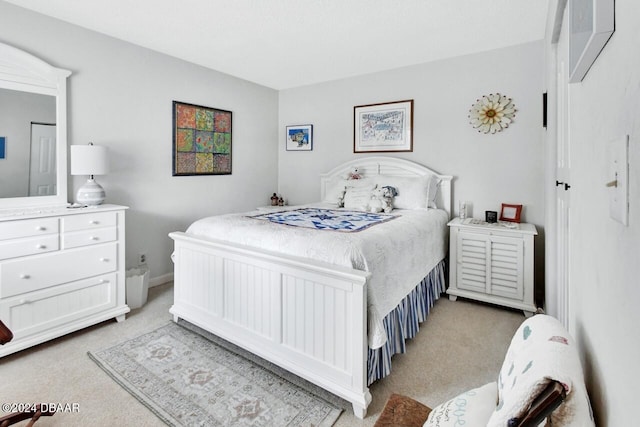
{"points": [[471, 409], [358, 197], [412, 191], [334, 191], [432, 191]]}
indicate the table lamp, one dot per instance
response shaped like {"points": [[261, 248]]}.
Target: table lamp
{"points": [[89, 160]]}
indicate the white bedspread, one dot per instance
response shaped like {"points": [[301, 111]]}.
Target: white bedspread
{"points": [[398, 253]]}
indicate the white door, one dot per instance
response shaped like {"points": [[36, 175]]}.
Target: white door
{"points": [[563, 184], [42, 167]]}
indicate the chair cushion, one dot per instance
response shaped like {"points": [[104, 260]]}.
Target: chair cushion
{"points": [[471, 408], [402, 411]]}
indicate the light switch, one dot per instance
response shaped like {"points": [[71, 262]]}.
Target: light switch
{"points": [[618, 184]]}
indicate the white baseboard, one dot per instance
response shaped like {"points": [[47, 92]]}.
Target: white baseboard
{"points": [[160, 280]]}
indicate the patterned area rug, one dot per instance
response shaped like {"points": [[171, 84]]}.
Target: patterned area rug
{"points": [[188, 380]]}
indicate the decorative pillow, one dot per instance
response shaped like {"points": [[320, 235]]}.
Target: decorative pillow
{"points": [[336, 187], [358, 197], [411, 191], [470, 409]]}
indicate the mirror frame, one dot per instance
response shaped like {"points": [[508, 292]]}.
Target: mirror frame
{"points": [[24, 72]]}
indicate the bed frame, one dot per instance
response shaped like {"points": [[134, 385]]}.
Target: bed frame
{"points": [[305, 316]]}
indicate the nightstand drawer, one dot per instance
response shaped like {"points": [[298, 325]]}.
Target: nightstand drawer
{"points": [[89, 237], [31, 227], [27, 275], [90, 220], [29, 246]]}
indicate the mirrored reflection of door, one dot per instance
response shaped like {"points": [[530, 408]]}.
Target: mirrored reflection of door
{"points": [[42, 168]]}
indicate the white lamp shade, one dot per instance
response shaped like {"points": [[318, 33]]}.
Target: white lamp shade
{"points": [[89, 160]]}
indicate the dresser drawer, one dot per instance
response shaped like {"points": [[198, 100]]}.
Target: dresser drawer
{"points": [[76, 239], [27, 228], [40, 311], [30, 246], [90, 220], [30, 274]]}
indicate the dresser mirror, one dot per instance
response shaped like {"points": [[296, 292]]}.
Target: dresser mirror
{"points": [[33, 131]]}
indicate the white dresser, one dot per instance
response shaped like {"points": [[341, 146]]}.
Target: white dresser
{"points": [[61, 269], [492, 263]]}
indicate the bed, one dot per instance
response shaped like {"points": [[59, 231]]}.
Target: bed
{"points": [[326, 311]]}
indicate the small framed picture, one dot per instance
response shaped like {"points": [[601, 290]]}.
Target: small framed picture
{"points": [[510, 213], [491, 217], [299, 138]]}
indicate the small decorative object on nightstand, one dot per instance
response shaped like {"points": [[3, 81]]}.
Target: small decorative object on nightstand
{"points": [[510, 212], [492, 263], [491, 216], [274, 200], [462, 210]]}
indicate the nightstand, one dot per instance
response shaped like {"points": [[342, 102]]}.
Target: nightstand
{"points": [[492, 263], [269, 208]]}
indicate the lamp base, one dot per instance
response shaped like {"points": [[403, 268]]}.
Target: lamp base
{"points": [[90, 194]]}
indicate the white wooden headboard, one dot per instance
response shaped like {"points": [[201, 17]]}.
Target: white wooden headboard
{"points": [[378, 165]]}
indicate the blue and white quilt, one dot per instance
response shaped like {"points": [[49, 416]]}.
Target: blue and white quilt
{"points": [[327, 219]]}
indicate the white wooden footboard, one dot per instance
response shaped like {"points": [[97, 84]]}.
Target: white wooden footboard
{"points": [[307, 317]]}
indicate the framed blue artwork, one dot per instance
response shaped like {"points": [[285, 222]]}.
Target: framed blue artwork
{"points": [[2, 146], [299, 138]]}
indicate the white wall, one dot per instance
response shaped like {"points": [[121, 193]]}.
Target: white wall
{"points": [[604, 255], [488, 169], [120, 95]]}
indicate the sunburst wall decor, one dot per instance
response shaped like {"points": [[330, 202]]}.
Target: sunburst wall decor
{"points": [[492, 113]]}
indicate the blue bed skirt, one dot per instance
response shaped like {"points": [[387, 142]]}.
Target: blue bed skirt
{"points": [[403, 322]]}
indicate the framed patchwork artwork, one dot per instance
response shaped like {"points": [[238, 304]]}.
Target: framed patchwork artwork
{"points": [[201, 140]]}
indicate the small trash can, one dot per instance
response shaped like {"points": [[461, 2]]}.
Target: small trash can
{"points": [[137, 286]]}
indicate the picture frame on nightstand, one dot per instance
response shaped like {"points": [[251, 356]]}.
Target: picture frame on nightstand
{"points": [[510, 213]]}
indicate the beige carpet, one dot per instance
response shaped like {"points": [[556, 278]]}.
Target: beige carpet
{"points": [[460, 346]]}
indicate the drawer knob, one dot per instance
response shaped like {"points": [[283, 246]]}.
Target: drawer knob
{"points": [[25, 276], [104, 259], [24, 301], [41, 228], [41, 246], [94, 222], [94, 238]]}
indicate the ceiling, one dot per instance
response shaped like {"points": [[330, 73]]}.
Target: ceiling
{"points": [[289, 43]]}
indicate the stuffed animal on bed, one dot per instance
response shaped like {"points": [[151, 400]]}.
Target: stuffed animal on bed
{"points": [[382, 199], [354, 174]]}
